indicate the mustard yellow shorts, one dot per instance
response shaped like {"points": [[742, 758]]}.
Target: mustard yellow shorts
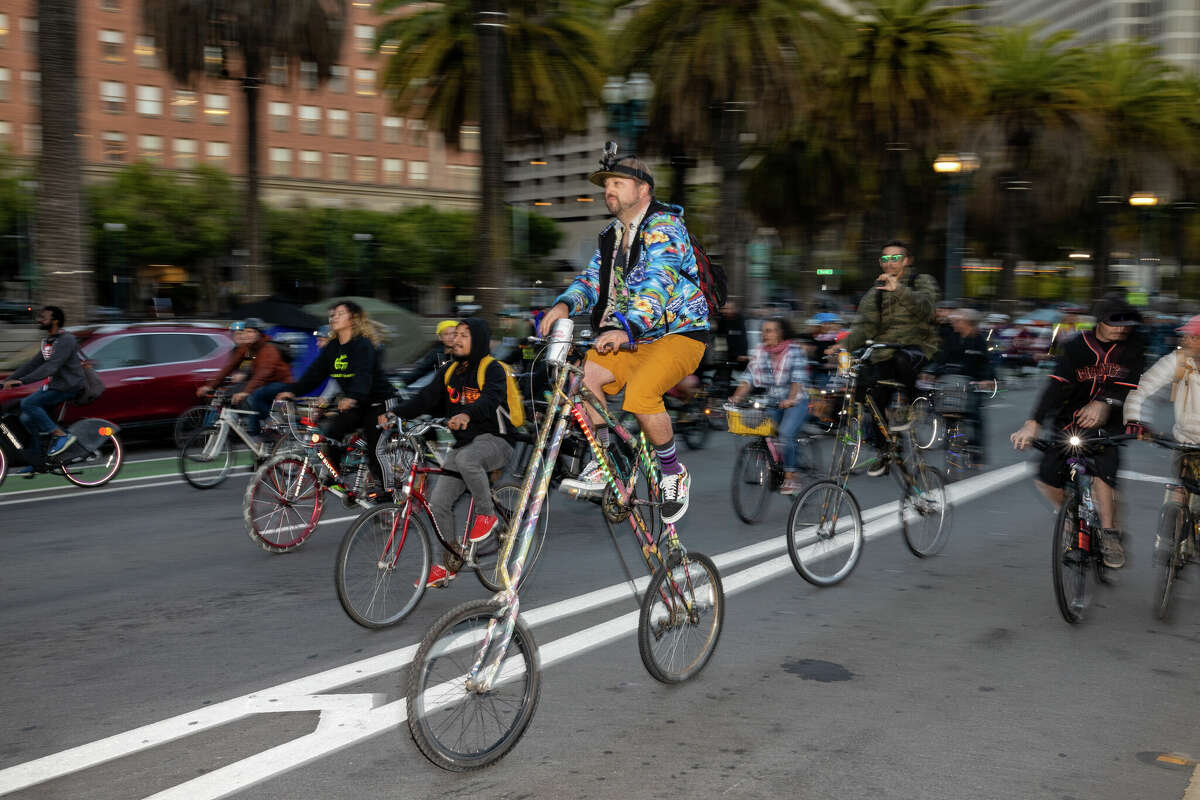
{"points": [[649, 372]]}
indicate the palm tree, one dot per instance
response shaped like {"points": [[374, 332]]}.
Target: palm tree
{"points": [[255, 32], [721, 68], [1030, 87], [530, 72], [907, 86], [65, 274]]}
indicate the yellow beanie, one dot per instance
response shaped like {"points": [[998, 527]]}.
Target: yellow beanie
{"points": [[444, 324]]}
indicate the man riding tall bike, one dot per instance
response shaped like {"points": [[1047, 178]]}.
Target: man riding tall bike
{"points": [[642, 288]]}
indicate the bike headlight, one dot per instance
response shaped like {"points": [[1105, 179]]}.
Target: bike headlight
{"points": [[1075, 441]]}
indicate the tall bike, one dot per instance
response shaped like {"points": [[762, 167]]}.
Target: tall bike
{"points": [[1076, 548], [475, 681], [1178, 541]]}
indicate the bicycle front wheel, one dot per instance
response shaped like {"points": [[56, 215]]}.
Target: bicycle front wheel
{"points": [[206, 457], [825, 533], [751, 484], [1068, 563], [382, 565], [1172, 526], [681, 617], [283, 504], [923, 512], [99, 467], [506, 496], [847, 446], [456, 727], [926, 425]]}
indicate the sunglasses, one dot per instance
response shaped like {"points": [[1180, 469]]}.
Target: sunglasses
{"points": [[1121, 317], [892, 259]]}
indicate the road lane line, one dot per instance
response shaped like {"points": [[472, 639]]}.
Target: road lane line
{"points": [[1193, 788], [291, 755]]}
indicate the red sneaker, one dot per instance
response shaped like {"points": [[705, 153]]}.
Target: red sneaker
{"points": [[439, 576], [485, 525]]}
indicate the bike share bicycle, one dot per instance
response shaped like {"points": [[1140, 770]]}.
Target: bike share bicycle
{"points": [[476, 679], [211, 451], [93, 460]]}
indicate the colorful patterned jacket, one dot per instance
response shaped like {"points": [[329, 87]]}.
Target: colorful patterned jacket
{"points": [[659, 294]]}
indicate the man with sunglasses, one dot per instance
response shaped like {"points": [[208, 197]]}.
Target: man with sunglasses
{"points": [[1094, 373], [898, 309]]}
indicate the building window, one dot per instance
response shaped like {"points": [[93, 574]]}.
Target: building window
{"points": [[112, 96], [308, 75], [5, 83], [416, 132], [280, 114], [3, 31], [364, 38], [364, 82], [393, 171], [217, 153], [149, 101], [468, 138], [33, 87], [150, 148], [310, 119], [216, 108], [418, 171], [337, 79], [33, 139], [114, 146], [364, 169], [147, 54], [29, 28], [339, 122], [110, 5], [6, 137], [339, 167], [184, 105], [112, 46], [278, 73], [364, 124], [393, 130], [185, 153], [310, 164], [281, 162]]}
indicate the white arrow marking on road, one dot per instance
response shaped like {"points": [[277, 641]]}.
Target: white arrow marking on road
{"points": [[358, 718]]}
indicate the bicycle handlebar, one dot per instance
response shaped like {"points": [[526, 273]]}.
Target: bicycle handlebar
{"points": [[1085, 443], [1171, 444]]}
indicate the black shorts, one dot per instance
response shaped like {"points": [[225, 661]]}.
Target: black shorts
{"points": [[1053, 469]]}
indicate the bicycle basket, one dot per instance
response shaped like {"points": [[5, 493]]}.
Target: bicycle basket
{"points": [[952, 395], [749, 421], [395, 457]]}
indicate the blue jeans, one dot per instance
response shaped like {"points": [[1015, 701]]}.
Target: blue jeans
{"points": [[790, 421], [260, 401], [35, 419]]}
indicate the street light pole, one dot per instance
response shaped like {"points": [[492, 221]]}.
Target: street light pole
{"points": [[956, 167]]}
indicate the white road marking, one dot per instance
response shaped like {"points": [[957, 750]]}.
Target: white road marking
{"points": [[1193, 788], [349, 719], [1141, 476]]}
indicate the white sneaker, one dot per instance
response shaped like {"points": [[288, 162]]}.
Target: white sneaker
{"points": [[676, 491], [591, 479]]}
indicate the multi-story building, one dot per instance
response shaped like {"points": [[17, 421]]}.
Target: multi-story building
{"points": [[338, 143]]}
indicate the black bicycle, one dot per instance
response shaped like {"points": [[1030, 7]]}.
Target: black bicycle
{"points": [[1177, 544]]}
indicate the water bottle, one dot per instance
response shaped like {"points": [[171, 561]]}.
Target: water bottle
{"points": [[560, 342]]}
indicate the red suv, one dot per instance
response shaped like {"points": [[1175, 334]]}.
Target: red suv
{"points": [[150, 370]]}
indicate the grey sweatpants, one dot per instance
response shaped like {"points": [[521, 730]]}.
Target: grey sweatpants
{"points": [[473, 461]]}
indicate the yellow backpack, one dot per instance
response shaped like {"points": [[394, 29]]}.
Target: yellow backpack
{"points": [[516, 404]]}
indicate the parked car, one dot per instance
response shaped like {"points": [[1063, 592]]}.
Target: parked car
{"points": [[16, 311], [150, 370]]}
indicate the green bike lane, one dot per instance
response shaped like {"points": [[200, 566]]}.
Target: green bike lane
{"points": [[140, 467]]}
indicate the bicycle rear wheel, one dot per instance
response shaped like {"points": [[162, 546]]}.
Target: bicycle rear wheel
{"points": [[98, 468], [681, 617], [283, 504], [923, 512], [1172, 526], [192, 420], [382, 565], [926, 424], [825, 533], [455, 727], [959, 462], [1068, 563], [506, 496], [751, 483], [206, 457]]}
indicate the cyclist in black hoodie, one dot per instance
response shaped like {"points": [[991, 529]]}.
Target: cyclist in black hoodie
{"points": [[480, 445]]}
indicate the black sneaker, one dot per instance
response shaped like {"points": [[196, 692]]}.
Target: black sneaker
{"points": [[675, 494]]}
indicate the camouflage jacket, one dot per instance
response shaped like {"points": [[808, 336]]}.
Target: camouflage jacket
{"points": [[904, 316]]}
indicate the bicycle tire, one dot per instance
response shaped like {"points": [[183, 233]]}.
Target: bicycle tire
{"points": [[265, 496], [847, 447], [813, 542], [1172, 523], [112, 456], [3, 467], [958, 454], [671, 606], [447, 647], [695, 433], [192, 420], [200, 469], [926, 498], [506, 495], [382, 565], [926, 423], [750, 485], [1068, 564]]}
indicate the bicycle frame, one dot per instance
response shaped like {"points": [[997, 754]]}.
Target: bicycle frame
{"points": [[226, 422]]}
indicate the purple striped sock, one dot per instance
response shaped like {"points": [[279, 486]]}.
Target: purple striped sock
{"points": [[667, 458], [602, 435]]}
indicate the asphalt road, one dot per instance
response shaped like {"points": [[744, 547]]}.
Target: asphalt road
{"points": [[151, 649]]}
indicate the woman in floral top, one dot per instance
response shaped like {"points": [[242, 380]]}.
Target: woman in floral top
{"points": [[780, 367]]}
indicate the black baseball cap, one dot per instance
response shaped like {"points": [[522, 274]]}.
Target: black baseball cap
{"points": [[627, 167], [1113, 309]]}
